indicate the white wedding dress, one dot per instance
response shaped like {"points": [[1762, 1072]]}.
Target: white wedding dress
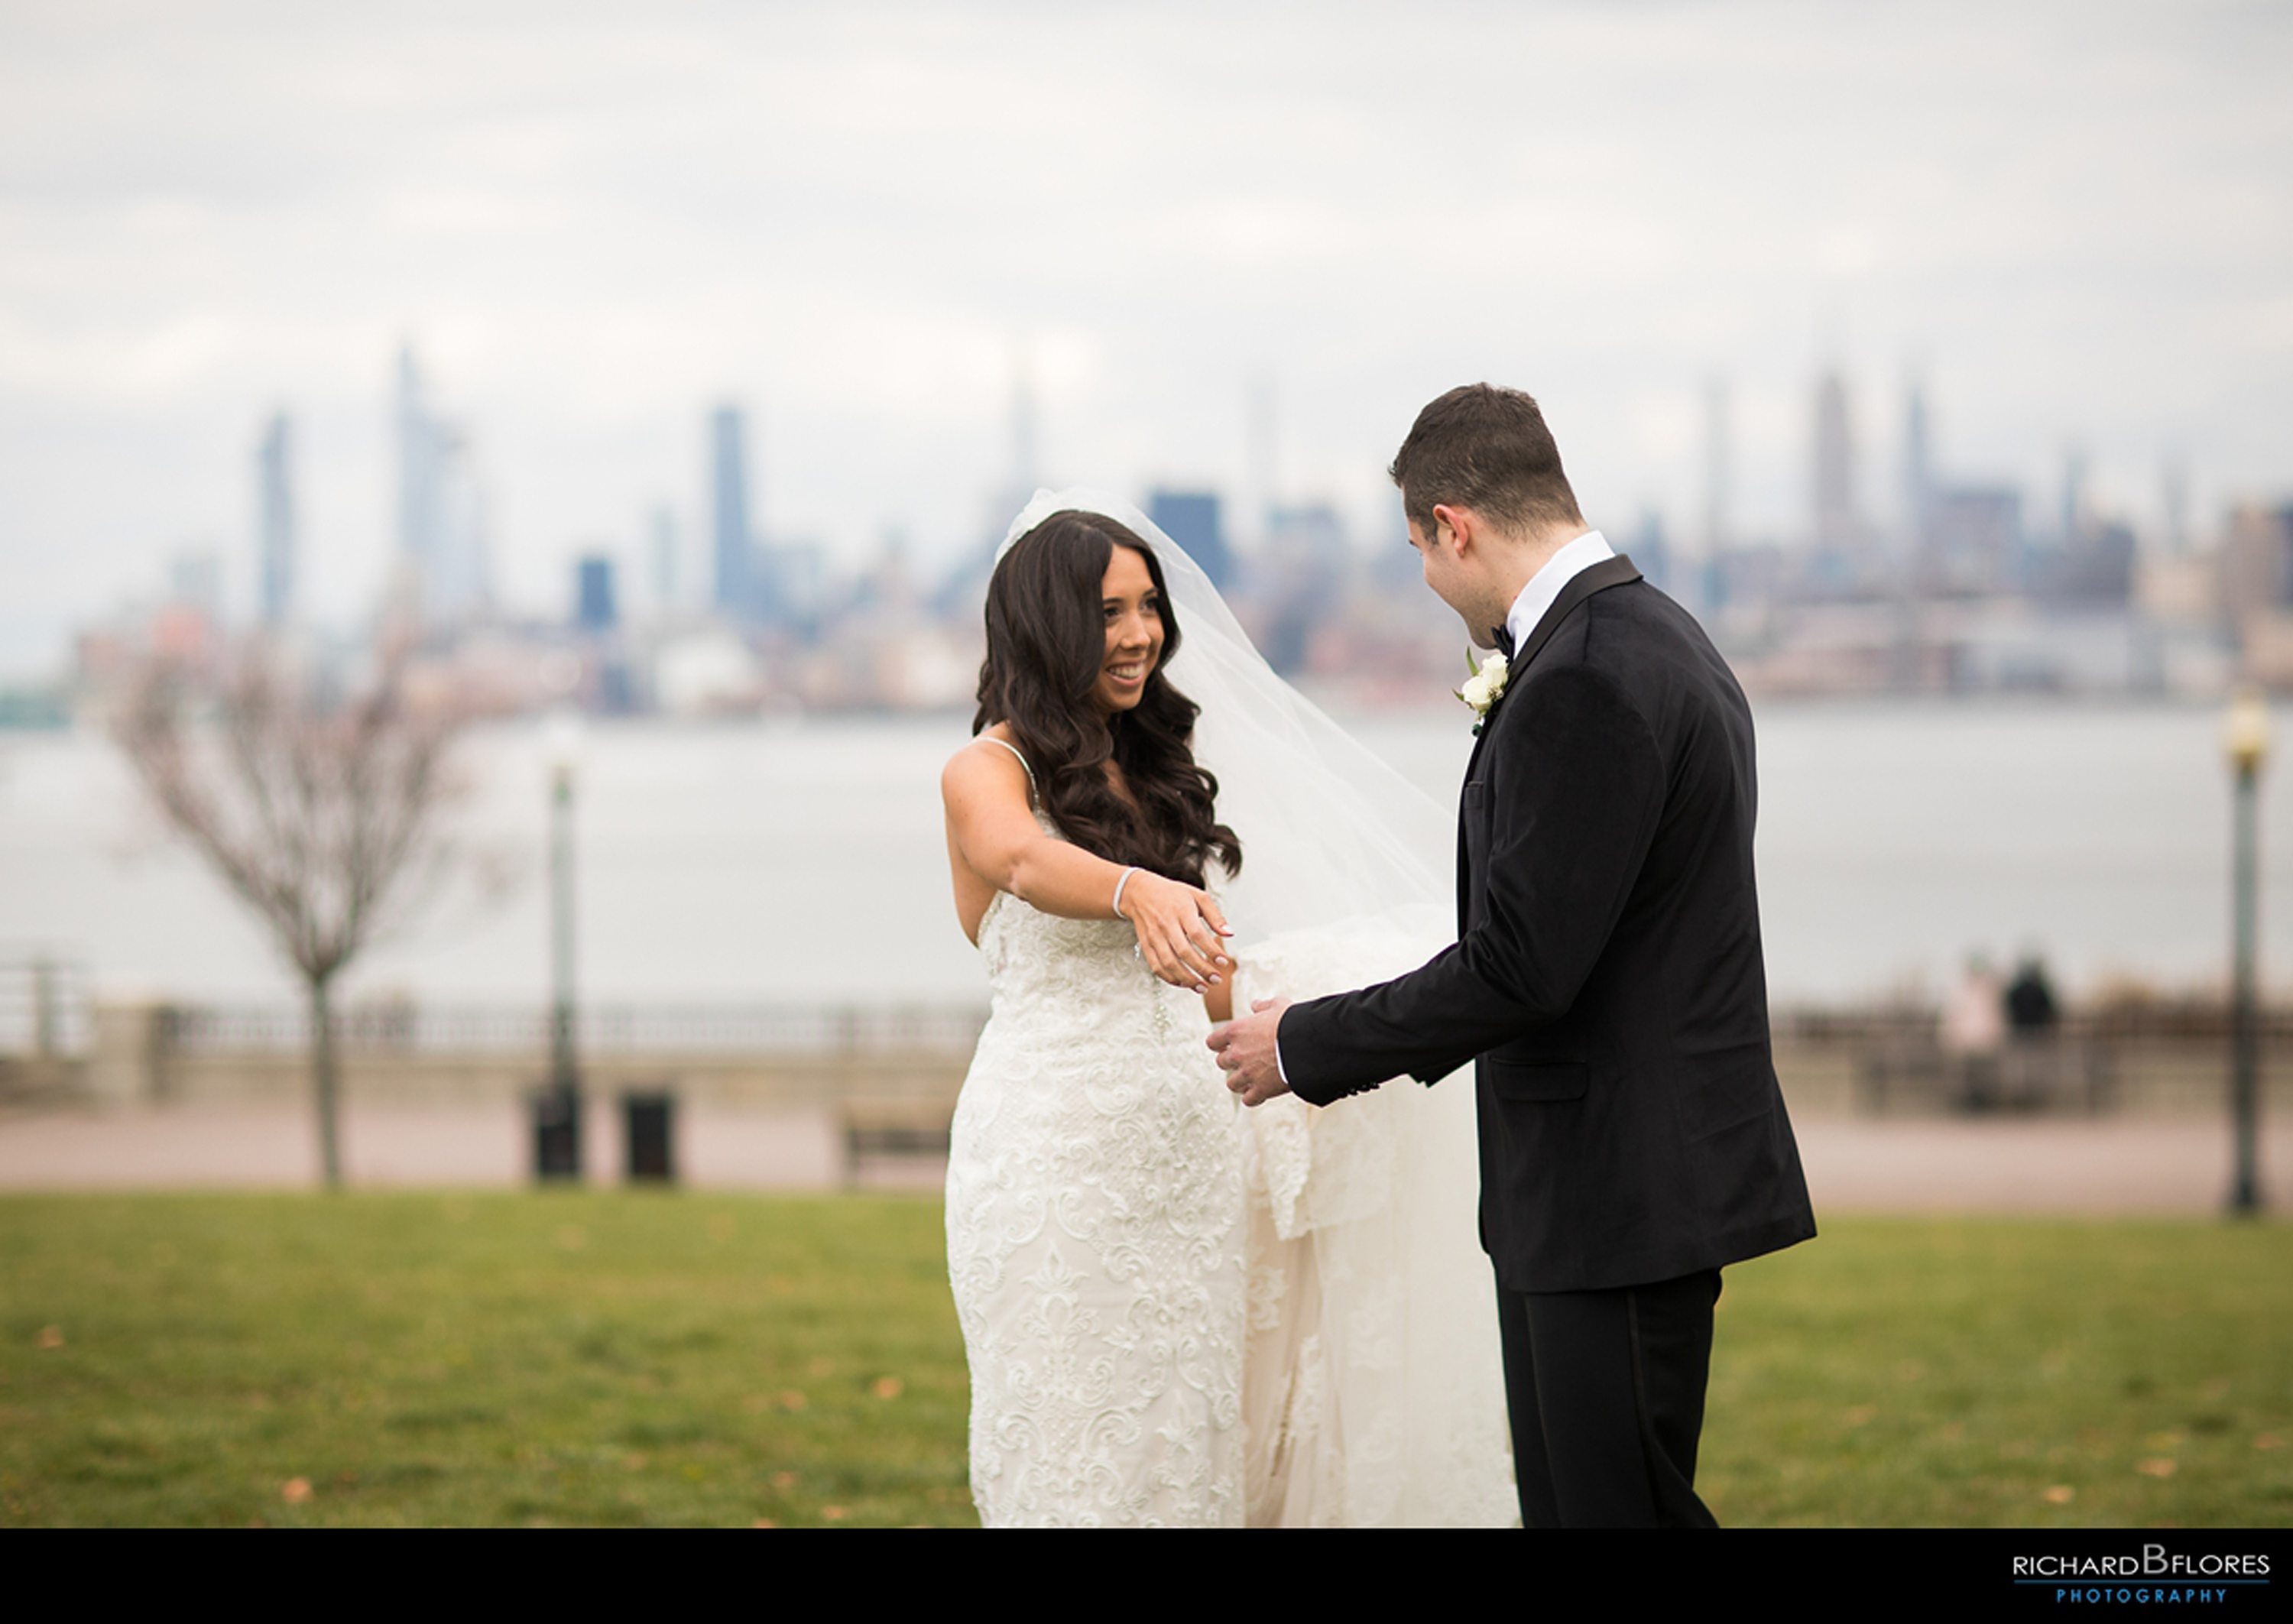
{"points": [[1095, 1235], [1179, 1312]]}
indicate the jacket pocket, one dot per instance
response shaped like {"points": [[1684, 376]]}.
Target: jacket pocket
{"points": [[1515, 1080]]}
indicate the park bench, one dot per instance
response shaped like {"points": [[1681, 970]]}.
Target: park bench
{"points": [[2033, 1074], [896, 1130]]}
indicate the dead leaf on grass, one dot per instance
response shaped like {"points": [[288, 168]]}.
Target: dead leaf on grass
{"points": [[51, 1337], [889, 1387], [2159, 1466], [295, 1490], [2060, 1494]]}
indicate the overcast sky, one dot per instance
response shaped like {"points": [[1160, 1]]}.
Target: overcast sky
{"points": [[595, 221]]}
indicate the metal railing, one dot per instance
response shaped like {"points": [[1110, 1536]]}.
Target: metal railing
{"points": [[2163, 1021], [46, 1008], [605, 1029]]}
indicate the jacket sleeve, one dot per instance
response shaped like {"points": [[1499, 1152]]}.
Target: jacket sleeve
{"points": [[1578, 789]]}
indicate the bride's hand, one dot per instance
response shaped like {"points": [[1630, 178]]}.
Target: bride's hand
{"points": [[1181, 931]]}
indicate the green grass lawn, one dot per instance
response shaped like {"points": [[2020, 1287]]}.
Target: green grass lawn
{"points": [[612, 1358], [2007, 1373]]}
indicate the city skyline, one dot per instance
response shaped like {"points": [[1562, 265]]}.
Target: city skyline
{"points": [[745, 573], [863, 225]]}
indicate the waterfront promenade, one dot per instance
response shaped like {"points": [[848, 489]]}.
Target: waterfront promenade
{"points": [[2147, 1164], [2119, 1115]]}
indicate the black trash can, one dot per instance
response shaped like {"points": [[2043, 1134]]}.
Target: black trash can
{"points": [[649, 1129], [557, 1134]]}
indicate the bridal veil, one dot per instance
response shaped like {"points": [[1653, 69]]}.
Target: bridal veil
{"points": [[1373, 1385]]}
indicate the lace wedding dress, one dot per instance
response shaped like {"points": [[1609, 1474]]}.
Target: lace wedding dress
{"points": [[1179, 1312], [1095, 1238]]}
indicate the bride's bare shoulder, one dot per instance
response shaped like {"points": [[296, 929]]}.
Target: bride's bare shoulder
{"points": [[980, 767]]}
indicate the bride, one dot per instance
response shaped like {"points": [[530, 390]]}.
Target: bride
{"points": [[1176, 1312]]}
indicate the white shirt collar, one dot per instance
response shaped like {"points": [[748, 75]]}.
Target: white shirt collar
{"points": [[1544, 588]]}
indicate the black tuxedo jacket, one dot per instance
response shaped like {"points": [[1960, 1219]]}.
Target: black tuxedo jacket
{"points": [[1607, 980]]}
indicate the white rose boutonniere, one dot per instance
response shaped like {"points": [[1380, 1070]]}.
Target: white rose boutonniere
{"points": [[1483, 687]]}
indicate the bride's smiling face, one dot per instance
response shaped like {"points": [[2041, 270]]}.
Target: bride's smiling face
{"points": [[1134, 631]]}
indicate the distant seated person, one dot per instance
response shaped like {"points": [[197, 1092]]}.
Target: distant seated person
{"points": [[2030, 1007]]}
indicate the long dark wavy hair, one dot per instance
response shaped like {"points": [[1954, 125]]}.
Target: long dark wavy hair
{"points": [[1046, 645]]}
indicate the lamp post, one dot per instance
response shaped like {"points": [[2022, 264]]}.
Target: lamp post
{"points": [[557, 1119], [2247, 737]]}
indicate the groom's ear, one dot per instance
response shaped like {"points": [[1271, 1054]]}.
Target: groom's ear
{"points": [[1458, 522]]}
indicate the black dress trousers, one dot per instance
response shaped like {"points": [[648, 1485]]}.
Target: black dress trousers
{"points": [[1606, 1393]]}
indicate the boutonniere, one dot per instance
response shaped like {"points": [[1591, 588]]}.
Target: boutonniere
{"points": [[1483, 687]]}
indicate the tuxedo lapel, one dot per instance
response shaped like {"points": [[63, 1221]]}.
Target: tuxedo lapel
{"points": [[1609, 572]]}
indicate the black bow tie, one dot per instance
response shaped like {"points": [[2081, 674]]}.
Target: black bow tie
{"points": [[1503, 637]]}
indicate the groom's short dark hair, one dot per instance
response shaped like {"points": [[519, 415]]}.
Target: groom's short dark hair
{"points": [[1486, 449]]}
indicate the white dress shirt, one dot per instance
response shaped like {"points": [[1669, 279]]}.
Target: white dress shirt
{"points": [[1544, 588], [1540, 594]]}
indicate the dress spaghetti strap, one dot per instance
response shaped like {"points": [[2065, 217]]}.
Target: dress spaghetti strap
{"points": [[1033, 791]]}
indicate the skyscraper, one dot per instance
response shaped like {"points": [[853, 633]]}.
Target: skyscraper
{"points": [[1697, 581], [2174, 504], [1716, 455], [1016, 486], [275, 539], [421, 517], [2076, 517], [1836, 525], [1918, 470], [594, 608], [728, 493], [1192, 519], [668, 579], [441, 515], [1305, 566]]}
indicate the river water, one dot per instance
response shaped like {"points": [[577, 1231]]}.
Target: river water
{"points": [[804, 860]]}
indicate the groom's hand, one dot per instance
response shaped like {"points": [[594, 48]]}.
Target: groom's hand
{"points": [[1246, 1054]]}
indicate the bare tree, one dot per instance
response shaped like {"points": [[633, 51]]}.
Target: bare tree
{"points": [[324, 817]]}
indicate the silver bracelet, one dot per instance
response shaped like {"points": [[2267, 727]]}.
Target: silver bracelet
{"points": [[1119, 885]]}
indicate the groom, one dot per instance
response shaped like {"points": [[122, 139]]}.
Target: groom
{"points": [[1607, 981]]}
